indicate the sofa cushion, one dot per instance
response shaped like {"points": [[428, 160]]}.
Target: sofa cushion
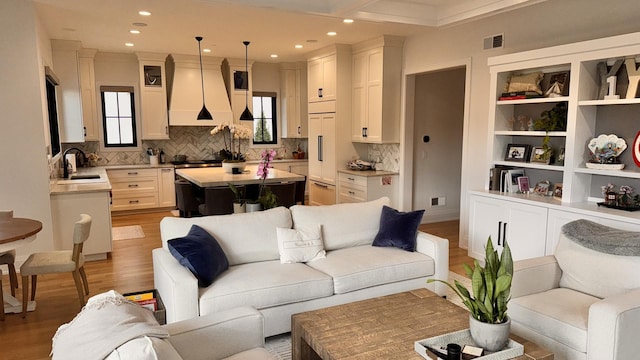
{"points": [[560, 314], [361, 267], [253, 354], [199, 252], [244, 238], [343, 225], [398, 229], [579, 270], [264, 284], [145, 348], [300, 245]]}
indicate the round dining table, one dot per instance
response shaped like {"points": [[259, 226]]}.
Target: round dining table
{"points": [[16, 232]]}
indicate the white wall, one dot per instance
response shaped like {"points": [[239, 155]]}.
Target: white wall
{"points": [[545, 24], [439, 114], [24, 179]]}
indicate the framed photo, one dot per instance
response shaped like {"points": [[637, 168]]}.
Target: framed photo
{"points": [[557, 191], [556, 84], [517, 152], [542, 187], [538, 155], [523, 184]]}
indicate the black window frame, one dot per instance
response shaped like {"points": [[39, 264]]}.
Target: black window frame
{"points": [[274, 119], [134, 130]]}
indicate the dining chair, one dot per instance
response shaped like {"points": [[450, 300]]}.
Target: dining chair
{"points": [[217, 201], [186, 199], [52, 262], [285, 193], [9, 257]]}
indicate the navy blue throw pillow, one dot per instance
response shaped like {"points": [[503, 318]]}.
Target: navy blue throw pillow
{"points": [[398, 229], [201, 254]]}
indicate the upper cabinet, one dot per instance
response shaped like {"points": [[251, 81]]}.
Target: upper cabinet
{"points": [[294, 100], [322, 78], [238, 74], [376, 89], [76, 92], [153, 96]]}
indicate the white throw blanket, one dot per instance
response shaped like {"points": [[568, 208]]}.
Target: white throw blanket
{"points": [[106, 322]]}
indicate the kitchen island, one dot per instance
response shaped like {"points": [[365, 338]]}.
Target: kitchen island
{"points": [[208, 177]]}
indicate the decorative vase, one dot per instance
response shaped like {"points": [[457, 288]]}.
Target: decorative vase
{"points": [[251, 207], [492, 337], [239, 208], [228, 166]]}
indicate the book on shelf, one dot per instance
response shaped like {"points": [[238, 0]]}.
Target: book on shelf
{"points": [[519, 95], [141, 296], [509, 180], [151, 304]]}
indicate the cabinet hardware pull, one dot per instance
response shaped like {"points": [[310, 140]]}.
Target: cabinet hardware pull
{"points": [[504, 233], [320, 140], [166, 169], [320, 185], [352, 193], [85, 131], [351, 179], [364, 132], [133, 173], [499, 231], [134, 201], [166, 130], [319, 92], [299, 130], [133, 185]]}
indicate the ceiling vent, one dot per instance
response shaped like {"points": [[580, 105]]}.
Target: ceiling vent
{"points": [[494, 42]]}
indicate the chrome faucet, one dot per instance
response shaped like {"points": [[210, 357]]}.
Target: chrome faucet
{"points": [[65, 173]]}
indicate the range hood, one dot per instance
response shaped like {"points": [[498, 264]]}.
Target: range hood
{"points": [[184, 95]]}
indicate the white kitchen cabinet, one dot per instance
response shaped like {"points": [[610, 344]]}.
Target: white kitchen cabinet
{"points": [[166, 187], [294, 101], [376, 89], [88, 94], [322, 78], [153, 96], [322, 159], [364, 186], [76, 92], [321, 193], [523, 226], [65, 211]]}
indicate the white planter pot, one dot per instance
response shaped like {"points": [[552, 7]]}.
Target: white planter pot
{"points": [[239, 208], [251, 207], [228, 166], [492, 337]]}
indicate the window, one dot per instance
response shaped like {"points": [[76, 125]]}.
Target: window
{"points": [[264, 118], [118, 116]]}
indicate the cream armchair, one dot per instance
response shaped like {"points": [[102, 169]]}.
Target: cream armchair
{"points": [[579, 303]]}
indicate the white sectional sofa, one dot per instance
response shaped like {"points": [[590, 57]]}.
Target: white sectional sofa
{"points": [[352, 270]]}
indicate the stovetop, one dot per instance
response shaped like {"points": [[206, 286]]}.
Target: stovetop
{"points": [[197, 163]]}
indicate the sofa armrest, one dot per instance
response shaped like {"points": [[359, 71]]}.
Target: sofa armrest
{"points": [[614, 323], [177, 286], [218, 335], [438, 249], [535, 275]]}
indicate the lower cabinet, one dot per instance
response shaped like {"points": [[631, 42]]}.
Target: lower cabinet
{"points": [[369, 186], [523, 226], [321, 194], [142, 188], [65, 211]]}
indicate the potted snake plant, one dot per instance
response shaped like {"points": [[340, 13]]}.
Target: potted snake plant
{"points": [[487, 301]]}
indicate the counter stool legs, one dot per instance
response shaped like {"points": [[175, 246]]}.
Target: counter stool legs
{"points": [[2, 297], [25, 292], [13, 279]]}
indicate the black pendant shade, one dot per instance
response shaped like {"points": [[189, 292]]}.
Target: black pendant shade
{"points": [[204, 113], [246, 114]]}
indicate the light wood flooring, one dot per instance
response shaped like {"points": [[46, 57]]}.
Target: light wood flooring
{"points": [[129, 268]]}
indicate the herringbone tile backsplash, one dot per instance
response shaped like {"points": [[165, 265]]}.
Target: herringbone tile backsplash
{"points": [[197, 143]]}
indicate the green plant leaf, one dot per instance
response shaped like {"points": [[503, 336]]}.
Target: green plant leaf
{"points": [[468, 270]]}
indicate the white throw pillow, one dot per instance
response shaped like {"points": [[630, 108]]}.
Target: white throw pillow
{"points": [[300, 245]]}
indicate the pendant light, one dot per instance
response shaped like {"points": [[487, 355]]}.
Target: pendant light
{"points": [[246, 114], [204, 113]]}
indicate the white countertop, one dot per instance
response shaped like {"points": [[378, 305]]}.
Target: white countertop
{"points": [[367, 173], [63, 186], [216, 176]]}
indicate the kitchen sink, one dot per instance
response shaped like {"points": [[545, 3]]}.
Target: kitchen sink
{"points": [[84, 177]]}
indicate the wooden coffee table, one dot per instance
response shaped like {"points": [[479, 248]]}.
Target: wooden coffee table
{"points": [[383, 328]]}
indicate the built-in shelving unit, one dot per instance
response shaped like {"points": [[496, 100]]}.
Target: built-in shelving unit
{"points": [[588, 115]]}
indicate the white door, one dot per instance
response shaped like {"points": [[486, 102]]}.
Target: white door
{"points": [[328, 147], [526, 230], [485, 219]]}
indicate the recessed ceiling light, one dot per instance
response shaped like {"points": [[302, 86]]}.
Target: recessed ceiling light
{"points": [[128, 44], [298, 46], [206, 50], [144, 13], [133, 31], [348, 21], [274, 56], [332, 33], [139, 24]]}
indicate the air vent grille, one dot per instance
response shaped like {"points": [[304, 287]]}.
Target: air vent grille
{"points": [[494, 42]]}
